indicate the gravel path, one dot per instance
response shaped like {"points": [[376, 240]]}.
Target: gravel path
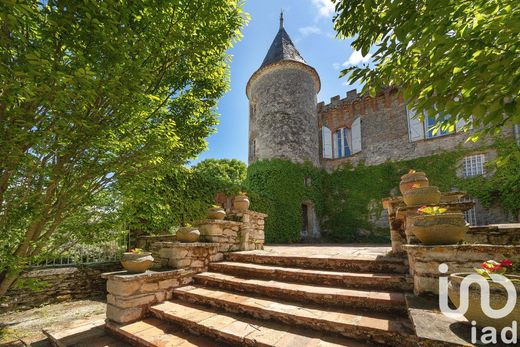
{"points": [[25, 327]]}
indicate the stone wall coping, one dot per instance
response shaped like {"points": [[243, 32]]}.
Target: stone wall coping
{"points": [[462, 248], [156, 236], [495, 228], [148, 276], [171, 244], [217, 221], [250, 212]]}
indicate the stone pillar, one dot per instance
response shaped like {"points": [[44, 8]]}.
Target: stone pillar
{"points": [[195, 256], [130, 295]]}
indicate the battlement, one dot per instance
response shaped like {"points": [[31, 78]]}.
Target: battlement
{"points": [[353, 98]]}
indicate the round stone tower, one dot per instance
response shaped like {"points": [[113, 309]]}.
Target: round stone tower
{"points": [[282, 93]]}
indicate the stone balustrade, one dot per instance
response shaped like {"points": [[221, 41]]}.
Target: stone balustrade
{"points": [[424, 261], [130, 295]]}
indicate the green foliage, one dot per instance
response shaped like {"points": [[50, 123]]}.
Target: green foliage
{"points": [[181, 196], [96, 94], [348, 200], [459, 59], [277, 187]]}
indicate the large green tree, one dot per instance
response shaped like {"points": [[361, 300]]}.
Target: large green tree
{"points": [[456, 58], [93, 92]]}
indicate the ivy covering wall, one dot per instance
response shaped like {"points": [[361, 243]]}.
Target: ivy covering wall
{"points": [[348, 200]]}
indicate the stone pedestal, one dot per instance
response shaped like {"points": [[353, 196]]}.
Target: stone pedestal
{"points": [[424, 261], [130, 295]]}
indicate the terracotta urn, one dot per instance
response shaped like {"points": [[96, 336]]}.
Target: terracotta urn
{"points": [[413, 179], [216, 213], [241, 202], [440, 229], [137, 262], [422, 196], [497, 300], [188, 234]]}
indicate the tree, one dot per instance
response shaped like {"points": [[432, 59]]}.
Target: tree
{"points": [[97, 92], [458, 59], [181, 196]]}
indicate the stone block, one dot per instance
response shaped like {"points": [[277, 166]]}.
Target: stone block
{"points": [[131, 301], [197, 263], [217, 257], [123, 288], [124, 315], [179, 263], [168, 284], [211, 229], [173, 253], [149, 287]]}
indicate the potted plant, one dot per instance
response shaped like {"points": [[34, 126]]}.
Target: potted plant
{"points": [[497, 297], [418, 195], [241, 202], [136, 260], [187, 233], [434, 226], [216, 212], [413, 178]]}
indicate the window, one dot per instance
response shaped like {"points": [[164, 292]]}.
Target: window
{"points": [[474, 165], [326, 142], [342, 143], [347, 141], [471, 215], [429, 122], [420, 130]]}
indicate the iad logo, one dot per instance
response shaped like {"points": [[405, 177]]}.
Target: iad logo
{"points": [[489, 334]]}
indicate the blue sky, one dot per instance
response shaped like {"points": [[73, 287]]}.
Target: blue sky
{"points": [[309, 24]]}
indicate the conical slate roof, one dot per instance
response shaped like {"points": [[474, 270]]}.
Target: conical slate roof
{"points": [[282, 48]]}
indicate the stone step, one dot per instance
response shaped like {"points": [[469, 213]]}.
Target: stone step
{"points": [[397, 282], [153, 332], [330, 296], [243, 331], [386, 264], [378, 328]]}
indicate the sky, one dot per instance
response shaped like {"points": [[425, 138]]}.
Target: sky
{"points": [[309, 24]]}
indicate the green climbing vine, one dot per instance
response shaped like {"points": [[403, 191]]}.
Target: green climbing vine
{"points": [[348, 200]]}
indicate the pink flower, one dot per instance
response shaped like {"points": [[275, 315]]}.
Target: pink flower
{"points": [[506, 263]]}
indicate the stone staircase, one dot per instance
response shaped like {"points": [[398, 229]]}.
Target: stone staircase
{"points": [[263, 300]]}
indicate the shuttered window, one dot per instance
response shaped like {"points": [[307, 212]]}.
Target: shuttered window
{"points": [[326, 141]]}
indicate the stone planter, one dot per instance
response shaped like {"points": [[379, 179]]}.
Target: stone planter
{"points": [[422, 196], [418, 179], [137, 262], [188, 234], [440, 229], [216, 213], [241, 203], [497, 300]]}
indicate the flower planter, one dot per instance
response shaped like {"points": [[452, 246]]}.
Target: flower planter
{"points": [[188, 234], [137, 262], [440, 229], [417, 179], [241, 203], [497, 300], [216, 213], [422, 196]]}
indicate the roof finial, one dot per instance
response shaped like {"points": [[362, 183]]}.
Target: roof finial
{"points": [[281, 19]]}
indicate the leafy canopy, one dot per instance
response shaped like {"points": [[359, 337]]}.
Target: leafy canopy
{"points": [[94, 94], [459, 59]]}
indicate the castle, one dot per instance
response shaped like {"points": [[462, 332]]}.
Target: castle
{"points": [[287, 122]]}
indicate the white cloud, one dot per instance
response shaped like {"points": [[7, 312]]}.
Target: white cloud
{"points": [[356, 57], [306, 31], [336, 66], [325, 7]]}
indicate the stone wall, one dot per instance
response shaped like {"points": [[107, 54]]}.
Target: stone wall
{"points": [[195, 256], [498, 234], [146, 241], [56, 285], [131, 295], [384, 129], [424, 261]]}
